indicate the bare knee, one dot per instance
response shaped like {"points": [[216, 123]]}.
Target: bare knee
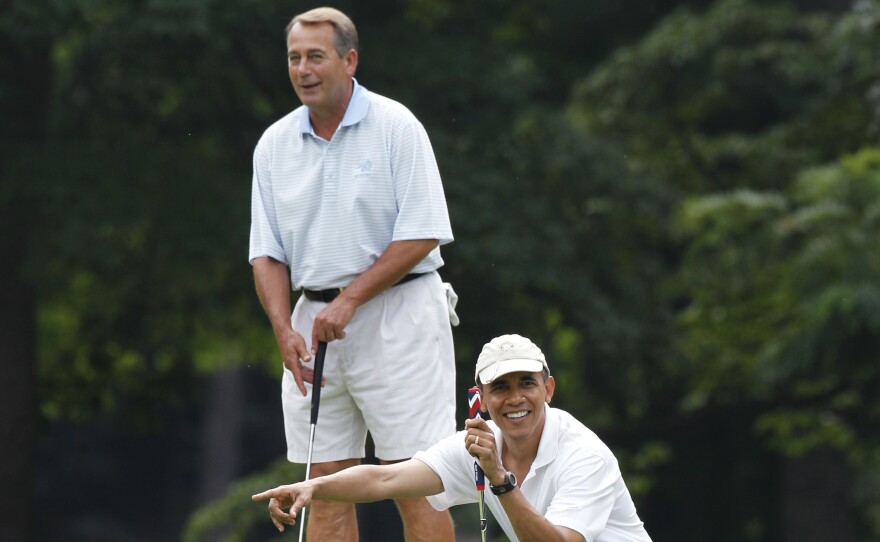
{"points": [[332, 520], [422, 523], [413, 506]]}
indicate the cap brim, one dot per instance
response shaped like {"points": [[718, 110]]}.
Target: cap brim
{"points": [[506, 366]]}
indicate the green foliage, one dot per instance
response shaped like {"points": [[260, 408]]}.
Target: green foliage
{"points": [[140, 280], [743, 95], [784, 301], [667, 214], [235, 515], [563, 239], [143, 206], [775, 284], [867, 495], [640, 466]]}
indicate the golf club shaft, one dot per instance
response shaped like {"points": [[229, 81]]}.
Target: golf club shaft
{"points": [[302, 518], [316, 404], [479, 478], [483, 522]]}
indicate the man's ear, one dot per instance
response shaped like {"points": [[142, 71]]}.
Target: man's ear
{"points": [[351, 62], [549, 388]]}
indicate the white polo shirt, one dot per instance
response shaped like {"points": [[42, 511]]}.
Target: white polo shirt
{"points": [[329, 209], [574, 482]]}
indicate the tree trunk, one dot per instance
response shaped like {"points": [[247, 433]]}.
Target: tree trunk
{"points": [[222, 425], [18, 414], [814, 498], [25, 80]]}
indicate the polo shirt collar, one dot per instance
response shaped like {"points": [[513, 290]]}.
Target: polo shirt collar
{"points": [[354, 113], [549, 444]]}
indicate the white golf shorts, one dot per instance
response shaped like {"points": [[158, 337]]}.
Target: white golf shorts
{"points": [[392, 375]]}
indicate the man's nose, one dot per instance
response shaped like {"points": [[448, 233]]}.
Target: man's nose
{"points": [[516, 395], [302, 66]]}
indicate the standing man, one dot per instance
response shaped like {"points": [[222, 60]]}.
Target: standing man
{"points": [[348, 207], [551, 478]]}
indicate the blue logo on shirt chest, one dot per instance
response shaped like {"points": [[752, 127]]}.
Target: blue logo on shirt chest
{"points": [[365, 166]]}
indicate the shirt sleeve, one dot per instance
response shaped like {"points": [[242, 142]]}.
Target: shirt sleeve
{"points": [[418, 189], [449, 459], [585, 496], [265, 239]]}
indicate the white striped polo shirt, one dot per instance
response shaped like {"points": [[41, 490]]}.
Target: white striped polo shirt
{"points": [[329, 209]]}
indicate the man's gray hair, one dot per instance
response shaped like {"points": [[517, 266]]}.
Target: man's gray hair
{"points": [[345, 34]]}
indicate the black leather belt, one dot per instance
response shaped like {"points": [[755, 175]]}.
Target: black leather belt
{"points": [[329, 295]]}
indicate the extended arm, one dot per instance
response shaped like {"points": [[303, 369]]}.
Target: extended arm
{"points": [[363, 483], [397, 260], [273, 289]]}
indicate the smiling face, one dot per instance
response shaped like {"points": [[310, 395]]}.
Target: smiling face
{"points": [[320, 76], [515, 402]]}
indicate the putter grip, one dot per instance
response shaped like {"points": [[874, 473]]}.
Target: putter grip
{"points": [[474, 412], [316, 381]]}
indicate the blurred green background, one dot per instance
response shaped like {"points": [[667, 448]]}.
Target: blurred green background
{"points": [[678, 200]]}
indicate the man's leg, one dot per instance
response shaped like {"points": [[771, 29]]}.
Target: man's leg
{"points": [[405, 357], [332, 520], [421, 523]]}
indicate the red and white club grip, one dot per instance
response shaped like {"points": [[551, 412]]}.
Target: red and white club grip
{"points": [[474, 412]]}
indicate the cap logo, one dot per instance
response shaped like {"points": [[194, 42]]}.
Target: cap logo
{"points": [[505, 354]]}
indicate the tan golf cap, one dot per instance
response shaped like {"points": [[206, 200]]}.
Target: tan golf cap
{"points": [[508, 354]]}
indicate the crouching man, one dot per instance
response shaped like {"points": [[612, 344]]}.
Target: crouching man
{"points": [[551, 478]]}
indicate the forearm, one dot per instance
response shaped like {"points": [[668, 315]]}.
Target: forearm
{"points": [[273, 288], [398, 259], [368, 483], [355, 484], [531, 526]]}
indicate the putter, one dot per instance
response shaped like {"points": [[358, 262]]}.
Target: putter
{"points": [[479, 477], [316, 403]]}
